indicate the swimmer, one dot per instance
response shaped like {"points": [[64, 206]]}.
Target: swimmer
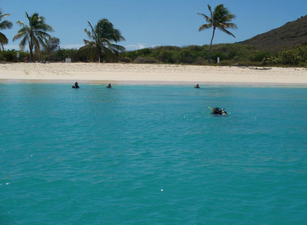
{"points": [[218, 111], [76, 85]]}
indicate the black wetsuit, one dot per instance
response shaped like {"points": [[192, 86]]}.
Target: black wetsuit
{"points": [[219, 111]]}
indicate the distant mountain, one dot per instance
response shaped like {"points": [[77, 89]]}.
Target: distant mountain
{"points": [[291, 34]]}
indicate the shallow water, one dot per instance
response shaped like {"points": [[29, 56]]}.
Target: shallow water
{"points": [[152, 155]]}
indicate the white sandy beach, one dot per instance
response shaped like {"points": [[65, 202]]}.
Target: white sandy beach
{"points": [[149, 74]]}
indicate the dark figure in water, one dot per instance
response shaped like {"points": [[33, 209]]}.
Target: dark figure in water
{"points": [[219, 111], [109, 86], [197, 86], [76, 85]]}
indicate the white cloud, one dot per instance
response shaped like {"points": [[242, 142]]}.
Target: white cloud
{"points": [[77, 46], [7, 47], [139, 46], [16, 47]]}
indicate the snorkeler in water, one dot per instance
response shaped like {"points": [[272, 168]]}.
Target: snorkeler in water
{"points": [[218, 111], [76, 85]]}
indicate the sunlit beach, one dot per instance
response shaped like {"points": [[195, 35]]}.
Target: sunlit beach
{"points": [[150, 74]]}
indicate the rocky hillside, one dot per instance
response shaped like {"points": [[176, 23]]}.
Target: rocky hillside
{"points": [[291, 34]]}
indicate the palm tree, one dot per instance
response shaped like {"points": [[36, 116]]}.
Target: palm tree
{"points": [[3, 26], [35, 34], [221, 19], [102, 36]]}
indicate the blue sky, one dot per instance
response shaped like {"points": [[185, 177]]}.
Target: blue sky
{"points": [[151, 23]]}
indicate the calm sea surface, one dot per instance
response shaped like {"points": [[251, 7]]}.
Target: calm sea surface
{"points": [[152, 155]]}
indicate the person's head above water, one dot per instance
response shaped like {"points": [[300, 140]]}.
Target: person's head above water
{"points": [[197, 86], [76, 85], [218, 111], [109, 86]]}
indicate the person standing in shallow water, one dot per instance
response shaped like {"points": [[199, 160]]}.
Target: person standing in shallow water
{"points": [[109, 86]]}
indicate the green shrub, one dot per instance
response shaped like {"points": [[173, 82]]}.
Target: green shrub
{"points": [[288, 57], [145, 60], [166, 56], [258, 56], [2, 58], [11, 56], [185, 57], [126, 60], [145, 51], [215, 55], [225, 63], [303, 64], [200, 61]]}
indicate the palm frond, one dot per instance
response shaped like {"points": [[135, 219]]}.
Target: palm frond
{"points": [[230, 25], [90, 26], [23, 43], [89, 34], [3, 38], [6, 25], [209, 7], [87, 42], [92, 33], [3, 15], [21, 23], [19, 35], [45, 27], [204, 26], [207, 18], [226, 31], [116, 48]]}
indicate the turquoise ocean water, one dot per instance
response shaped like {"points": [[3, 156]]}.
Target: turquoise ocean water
{"points": [[152, 154]]}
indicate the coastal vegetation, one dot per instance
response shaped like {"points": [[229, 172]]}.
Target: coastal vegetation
{"points": [[35, 33], [101, 43], [284, 46], [4, 24], [219, 19], [230, 54]]}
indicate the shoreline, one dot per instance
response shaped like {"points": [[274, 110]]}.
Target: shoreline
{"points": [[151, 74], [102, 82]]}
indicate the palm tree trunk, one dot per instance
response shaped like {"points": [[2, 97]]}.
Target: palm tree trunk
{"points": [[31, 48], [31, 53], [209, 55]]}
